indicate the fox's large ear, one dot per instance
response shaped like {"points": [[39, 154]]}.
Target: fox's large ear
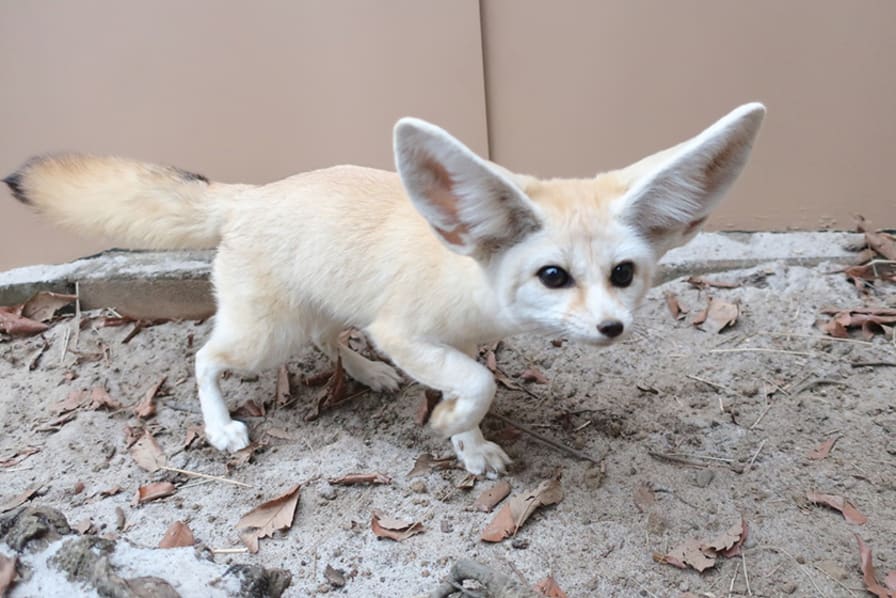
{"points": [[670, 194], [473, 206]]}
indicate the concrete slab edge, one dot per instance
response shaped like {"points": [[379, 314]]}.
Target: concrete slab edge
{"points": [[174, 284]]}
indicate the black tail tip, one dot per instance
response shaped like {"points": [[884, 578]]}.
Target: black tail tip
{"points": [[14, 182]]}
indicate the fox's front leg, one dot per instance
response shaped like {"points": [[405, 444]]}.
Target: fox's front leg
{"points": [[468, 389]]}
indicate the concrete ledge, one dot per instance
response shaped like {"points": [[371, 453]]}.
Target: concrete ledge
{"points": [[174, 284]]}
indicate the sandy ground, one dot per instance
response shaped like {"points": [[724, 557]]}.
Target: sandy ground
{"points": [[694, 432]]}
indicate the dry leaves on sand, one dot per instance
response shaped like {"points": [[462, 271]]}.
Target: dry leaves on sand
{"points": [[333, 393], [490, 497], [29, 318], [352, 479], [153, 491], [268, 517], [838, 503], [702, 554], [177, 535], [18, 456], [147, 407], [19, 499], [426, 463], [44, 305], [533, 375], [249, 408], [7, 573], [881, 242], [393, 529], [519, 508], [147, 453], [823, 450], [675, 308], [869, 575], [870, 320], [549, 587], [282, 393], [702, 283], [12, 322], [717, 316]]}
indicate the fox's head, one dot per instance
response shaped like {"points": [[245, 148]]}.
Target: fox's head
{"points": [[571, 257]]}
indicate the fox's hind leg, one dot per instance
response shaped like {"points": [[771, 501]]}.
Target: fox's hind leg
{"points": [[376, 375], [251, 332]]}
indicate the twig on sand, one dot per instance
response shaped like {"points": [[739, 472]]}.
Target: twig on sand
{"points": [[873, 364], [230, 550], [544, 439], [206, 476], [802, 568], [733, 579], [756, 454], [743, 559]]}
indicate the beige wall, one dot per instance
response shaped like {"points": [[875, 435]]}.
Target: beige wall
{"points": [[575, 86], [235, 90], [251, 91]]}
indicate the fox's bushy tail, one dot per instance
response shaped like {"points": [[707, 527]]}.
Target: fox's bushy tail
{"points": [[137, 204]]}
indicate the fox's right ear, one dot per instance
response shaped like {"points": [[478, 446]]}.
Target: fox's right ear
{"points": [[474, 207]]}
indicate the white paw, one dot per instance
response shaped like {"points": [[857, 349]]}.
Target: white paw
{"points": [[231, 436], [480, 458], [379, 376]]}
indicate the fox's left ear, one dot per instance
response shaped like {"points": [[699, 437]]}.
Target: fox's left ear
{"points": [[472, 205], [671, 193]]}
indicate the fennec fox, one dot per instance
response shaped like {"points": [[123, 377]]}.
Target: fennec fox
{"points": [[450, 252]]}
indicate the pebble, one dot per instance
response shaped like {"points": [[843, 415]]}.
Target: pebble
{"points": [[326, 491], [788, 587], [519, 543], [419, 486]]}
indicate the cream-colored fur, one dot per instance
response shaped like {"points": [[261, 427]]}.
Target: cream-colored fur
{"points": [[431, 262]]}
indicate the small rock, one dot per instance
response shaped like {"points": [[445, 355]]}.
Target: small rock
{"points": [[833, 569], [326, 491], [519, 543], [336, 577], [788, 587], [419, 486], [703, 477], [446, 527]]}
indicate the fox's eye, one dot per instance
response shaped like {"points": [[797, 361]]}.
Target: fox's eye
{"points": [[554, 277], [622, 274]]}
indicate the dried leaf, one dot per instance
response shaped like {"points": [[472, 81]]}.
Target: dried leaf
{"points": [[890, 580], [282, 394], [548, 587], [702, 283], [687, 554], [644, 497], [280, 433], [153, 491], [147, 453], [823, 449], [334, 393], [869, 575], [18, 456], [43, 305], [718, 316], [336, 577], [427, 403], [7, 573], [838, 503], [729, 541], [249, 408], [517, 510], [393, 529], [490, 497], [702, 554], [533, 375], [75, 400], [84, 526], [100, 399], [146, 407], [467, 482], [19, 499], [426, 463], [194, 433], [268, 517], [675, 308], [351, 479], [177, 535], [15, 324], [242, 456], [879, 241]]}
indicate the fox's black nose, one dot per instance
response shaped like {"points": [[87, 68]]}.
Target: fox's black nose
{"points": [[610, 328]]}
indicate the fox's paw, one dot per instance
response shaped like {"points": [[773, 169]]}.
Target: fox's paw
{"points": [[483, 457], [230, 437], [378, 376]]}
